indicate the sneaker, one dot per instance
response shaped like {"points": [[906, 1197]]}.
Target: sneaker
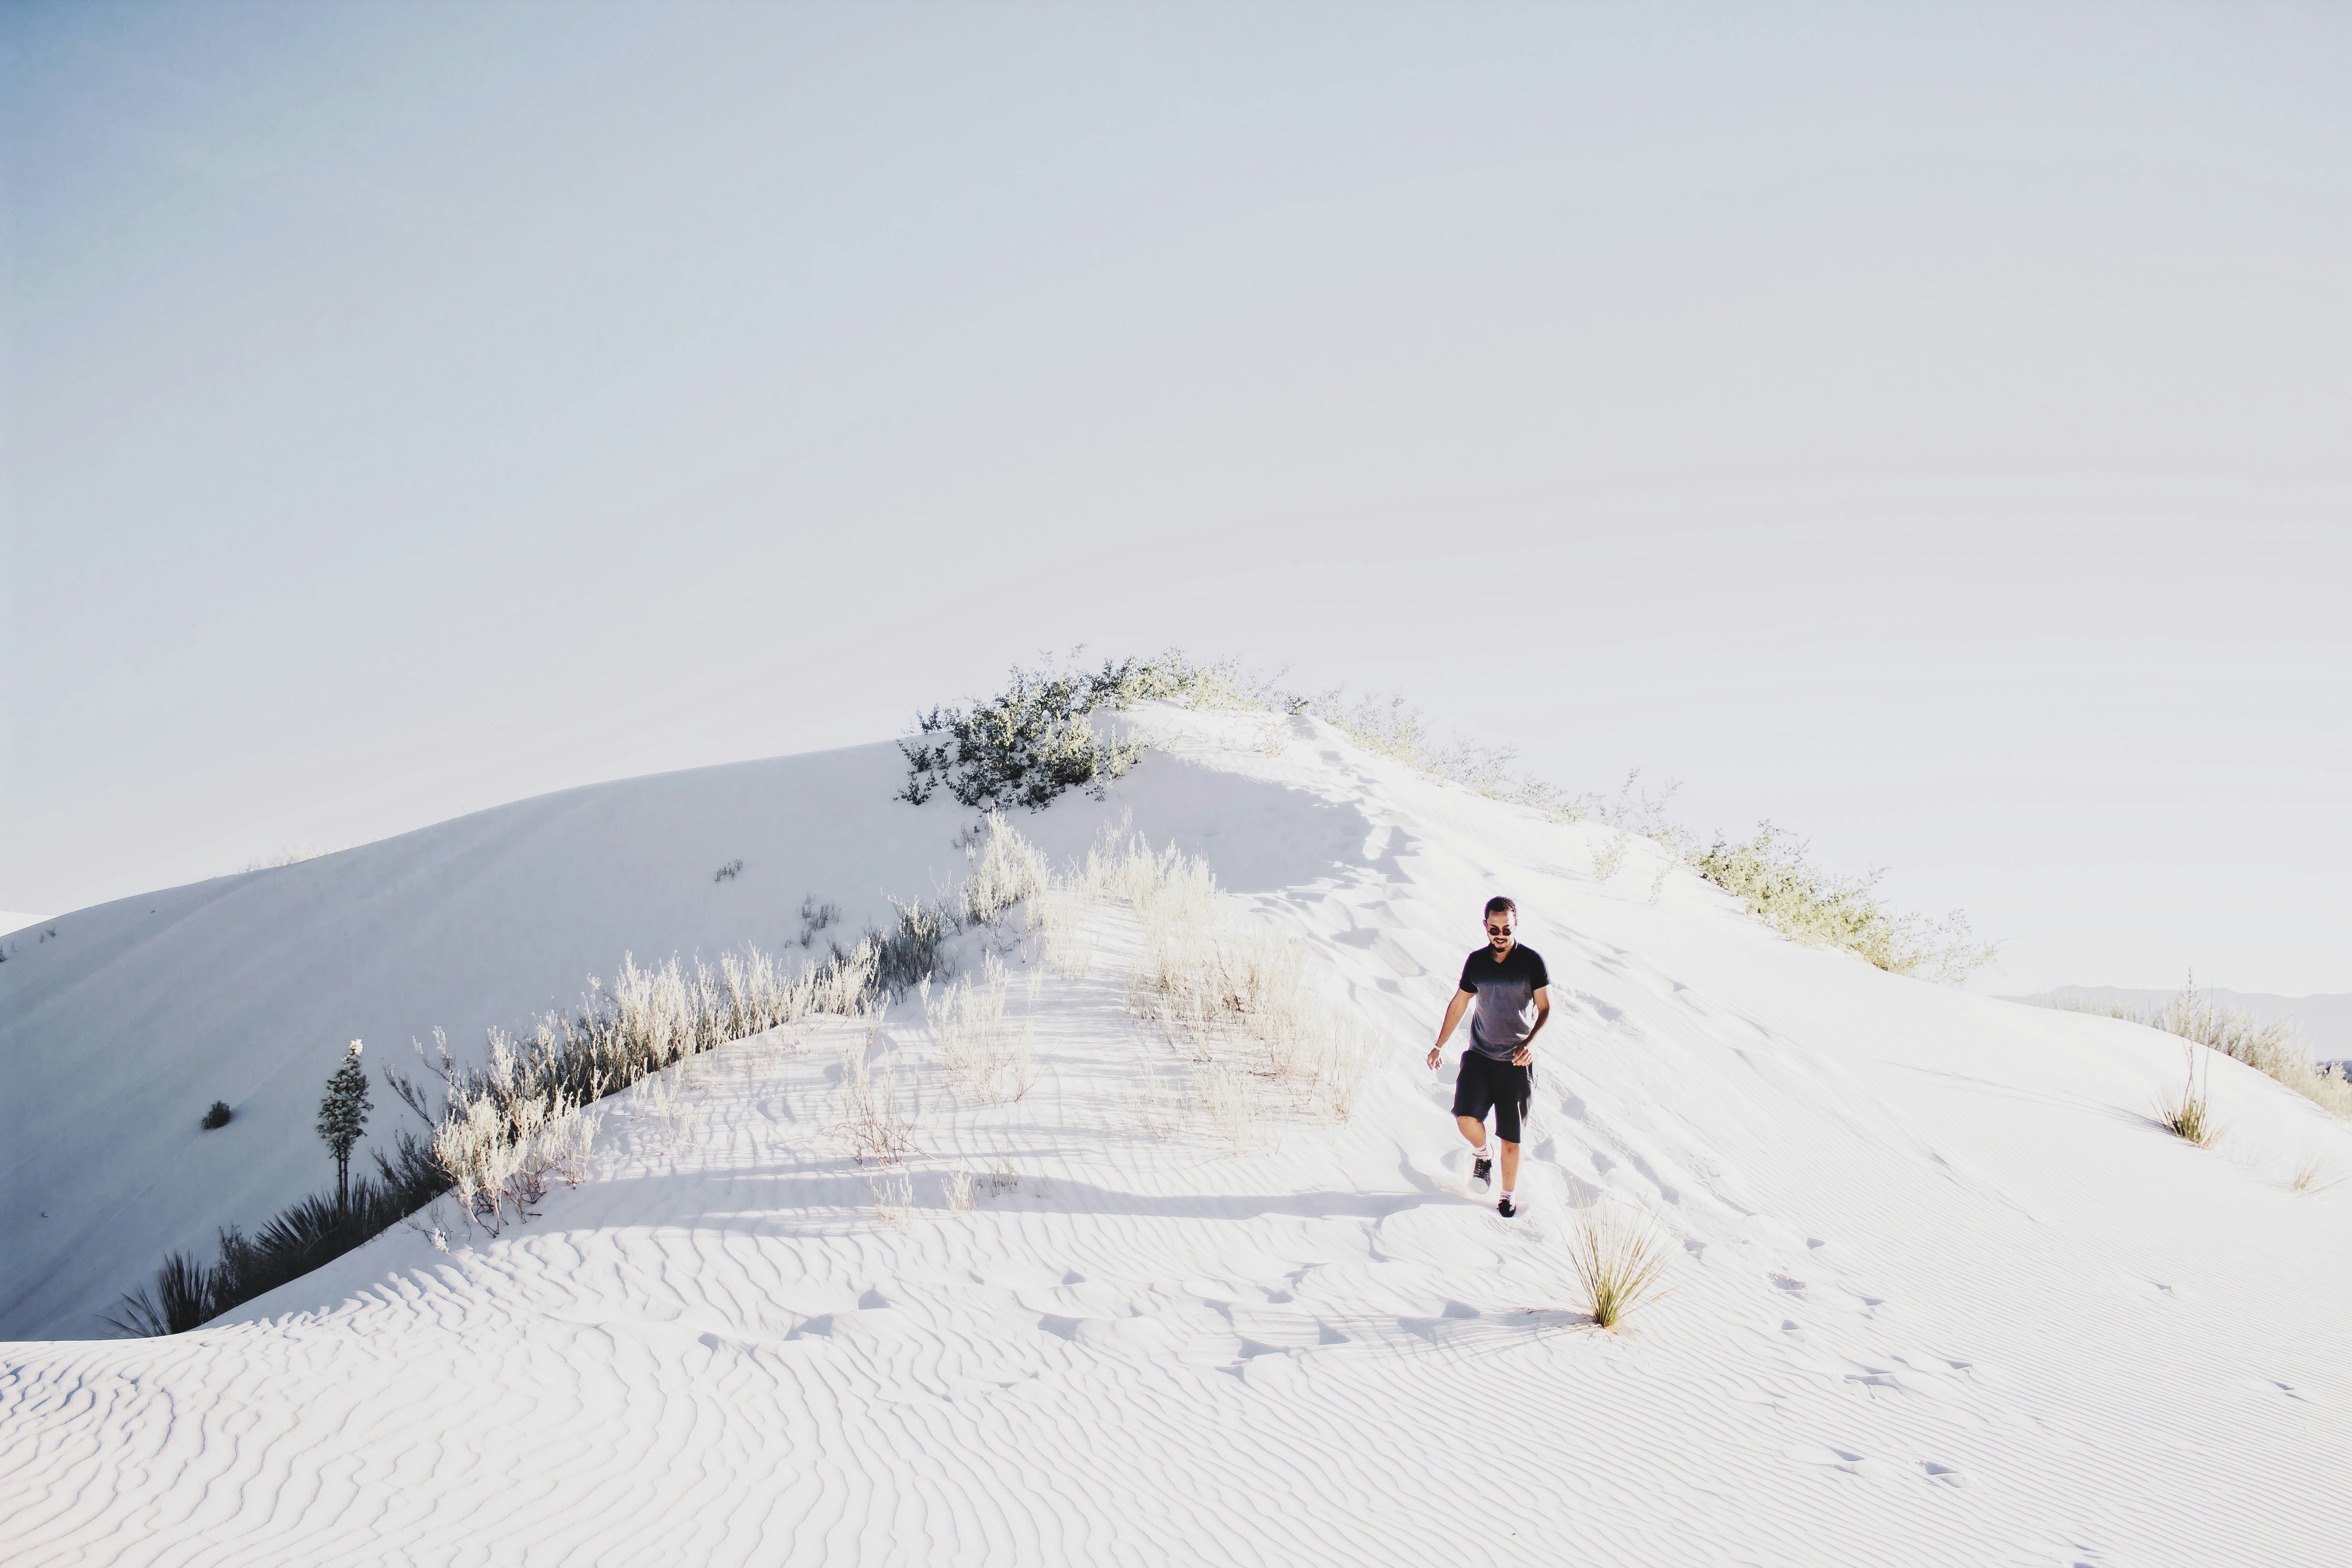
{"points": [[1506, 1207], [1482, 1172]]}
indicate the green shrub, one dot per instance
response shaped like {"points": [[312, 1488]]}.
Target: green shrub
{"points": [[218, 1116], [1771, 875], [1036, 739]]}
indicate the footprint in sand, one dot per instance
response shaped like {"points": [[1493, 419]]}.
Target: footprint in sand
{"points": [[1851, 1462]]}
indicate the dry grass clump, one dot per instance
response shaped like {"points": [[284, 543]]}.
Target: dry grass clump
{"points": [[1005, 869], [2268, 1045], [878, 1127], [894, 1198], [1065, 939], [498, 1148], [2315, 1173], [979, 1043], [1619, 1262], [2190, 1112], [1232, 994]]}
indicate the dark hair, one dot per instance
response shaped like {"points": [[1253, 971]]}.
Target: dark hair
{"points": [[1499, 905]]}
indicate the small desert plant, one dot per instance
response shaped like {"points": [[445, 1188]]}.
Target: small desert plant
{"points": [[962, 1197], [729, 872], [182, 1301], [1619, 1262], [2190, 1114], [1608, 857], [876, 1125], [815, 917], [218, 1116], [1006, 868], [2315, 1173], [979, 1043], [894, 1198]]}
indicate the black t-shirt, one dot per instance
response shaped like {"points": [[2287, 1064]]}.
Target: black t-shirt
{"points": [[1506, 1013]]}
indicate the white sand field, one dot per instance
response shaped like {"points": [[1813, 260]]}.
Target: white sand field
{"points": [[1942, 1291]]}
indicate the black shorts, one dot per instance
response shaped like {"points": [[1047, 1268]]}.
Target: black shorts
{"points": [[1491, 1083]]}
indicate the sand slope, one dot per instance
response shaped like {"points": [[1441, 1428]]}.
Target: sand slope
{"points": [[1944, 1294]]}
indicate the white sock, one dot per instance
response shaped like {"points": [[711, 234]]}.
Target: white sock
{"points": [[1480, 1152], [1507, 1195]]}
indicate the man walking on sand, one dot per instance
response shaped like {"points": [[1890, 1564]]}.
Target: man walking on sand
{"points": [[1509, 984]]}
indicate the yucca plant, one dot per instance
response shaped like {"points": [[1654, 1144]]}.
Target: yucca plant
{"points": [[1619, 1262]]}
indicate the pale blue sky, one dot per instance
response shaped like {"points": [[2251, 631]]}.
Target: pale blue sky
{"points": [[1924, 426]]}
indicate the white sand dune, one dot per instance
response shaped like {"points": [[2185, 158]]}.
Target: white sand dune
{"points": [[1944, 1293]]}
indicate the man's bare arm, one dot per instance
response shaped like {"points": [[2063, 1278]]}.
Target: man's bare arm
{"points": [[1454, 1011], [1521, 1058]]}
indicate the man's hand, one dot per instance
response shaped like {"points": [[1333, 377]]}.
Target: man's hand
{"points": [[1432, 1057], [1522, 1057]]}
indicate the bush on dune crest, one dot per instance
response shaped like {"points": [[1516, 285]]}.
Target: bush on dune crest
{"points": [[1036, 739], [1770, 875]]}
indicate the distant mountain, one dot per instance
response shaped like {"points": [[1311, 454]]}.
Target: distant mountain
{"points": [[2323, 1023]]}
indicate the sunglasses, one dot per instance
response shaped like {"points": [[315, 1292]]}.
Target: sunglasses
{"points": [[1499, 930]]}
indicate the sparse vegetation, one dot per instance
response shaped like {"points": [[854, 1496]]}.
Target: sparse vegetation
{"points": [[1619, 1262], [980, 1046], [876, 1125], [2268, 1045], [293, 854], [815, 918], [307, 1236], [218, 1116], [1037, 739], [729, 872], [894, 1198], [497, 1135], [1231, 994]]}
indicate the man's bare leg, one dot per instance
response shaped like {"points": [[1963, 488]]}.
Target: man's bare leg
{"points": [[1510, 1165], [1475, 1129]]}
